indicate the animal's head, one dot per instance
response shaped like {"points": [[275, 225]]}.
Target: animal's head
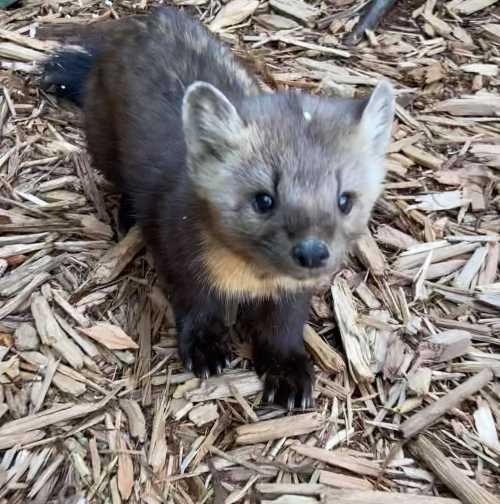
{"points": [[289, 179]]}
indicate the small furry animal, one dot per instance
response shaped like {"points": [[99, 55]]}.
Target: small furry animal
{"points": [[244, 198]]}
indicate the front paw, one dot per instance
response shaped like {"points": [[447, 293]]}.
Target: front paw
{"points": [[205, 350], [288, 381]]}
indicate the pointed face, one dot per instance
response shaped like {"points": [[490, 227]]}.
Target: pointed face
{"points": [[290, 180]]}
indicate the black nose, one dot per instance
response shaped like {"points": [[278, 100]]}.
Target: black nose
{"points": [[310, 253]]}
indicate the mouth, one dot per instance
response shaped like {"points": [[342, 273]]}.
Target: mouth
{"points": [[311, 274]]}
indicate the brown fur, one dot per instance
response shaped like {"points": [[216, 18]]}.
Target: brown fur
{"points": [[182, 130]]}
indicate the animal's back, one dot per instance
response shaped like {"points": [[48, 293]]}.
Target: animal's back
{"points": [[133, 97]]}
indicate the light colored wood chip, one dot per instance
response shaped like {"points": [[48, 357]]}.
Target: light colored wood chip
{"points": [[471, 106], [18, 52], [485, 425], [338, 480], [324, 354], [21, 438], [51, 333], [49, 417], [370, 255], [419, 381], [422, 157], [80, 319], [125, 473], [25, 293], [219, 387], [435, 202], [441, 254], [466, 489], [452, 399], [464, 279], [445, 346], [470, 6], [349, 463], [481, 69], [275, 22], [394, 238], [110, 336], [26, 337], [291, 493], [135, 417], [354, 338], [203, 414], [116, 259], [297, 9], [275, 429], [233, 13], [492, 30]]}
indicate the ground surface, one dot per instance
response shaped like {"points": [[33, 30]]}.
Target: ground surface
{"points": [[85, 416]]}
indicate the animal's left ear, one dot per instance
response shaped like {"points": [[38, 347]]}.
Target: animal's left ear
{"points": [[377, 117], [211, 123]]}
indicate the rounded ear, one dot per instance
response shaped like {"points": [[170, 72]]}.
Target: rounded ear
{"points": [[377, 117], [210, 121]]}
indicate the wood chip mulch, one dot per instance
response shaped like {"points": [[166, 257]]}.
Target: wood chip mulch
{"points": [[94, 403]]}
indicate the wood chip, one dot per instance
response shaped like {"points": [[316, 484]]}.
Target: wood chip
{"points": [[203, 414], [219, 387], [446, 346], [352, 464], [471, 106], [370, 255], [434, 411], [485, 426], [51, 333], [416, 305], [337, 480], [354, 337], [117, 258], [466, 489], [297, 9], [135, 417], [470, 6], [26, 337], [276, 429], [111, 336], [325, 355], [233, 13]]}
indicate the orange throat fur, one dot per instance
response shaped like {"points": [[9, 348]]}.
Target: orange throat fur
{"points": [[232, 275]]}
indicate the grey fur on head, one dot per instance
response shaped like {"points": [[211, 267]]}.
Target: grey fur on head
{"points": [[303, 151]]}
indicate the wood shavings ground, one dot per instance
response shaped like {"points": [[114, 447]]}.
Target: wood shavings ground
{"points": [[405, 340]]}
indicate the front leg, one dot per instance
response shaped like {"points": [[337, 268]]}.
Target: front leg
{"points": [[277, 327], [202, 336]]}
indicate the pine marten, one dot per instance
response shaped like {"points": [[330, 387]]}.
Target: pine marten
{"points": [[242, 196]]}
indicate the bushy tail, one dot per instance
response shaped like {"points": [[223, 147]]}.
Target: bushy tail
{"points": [[66, 72]]}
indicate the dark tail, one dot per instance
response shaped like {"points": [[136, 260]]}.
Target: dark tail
{"points": [[66, 72]]}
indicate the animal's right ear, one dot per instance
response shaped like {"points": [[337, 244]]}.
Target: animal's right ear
{"points": [[377, 117], [211, 123]]}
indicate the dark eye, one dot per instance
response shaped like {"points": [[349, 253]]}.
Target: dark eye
{"points": [[345, 202], [263, 203]]}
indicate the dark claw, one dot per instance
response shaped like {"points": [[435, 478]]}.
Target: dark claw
{"points": [[204, 349], [288, 382], [270, 396]]}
